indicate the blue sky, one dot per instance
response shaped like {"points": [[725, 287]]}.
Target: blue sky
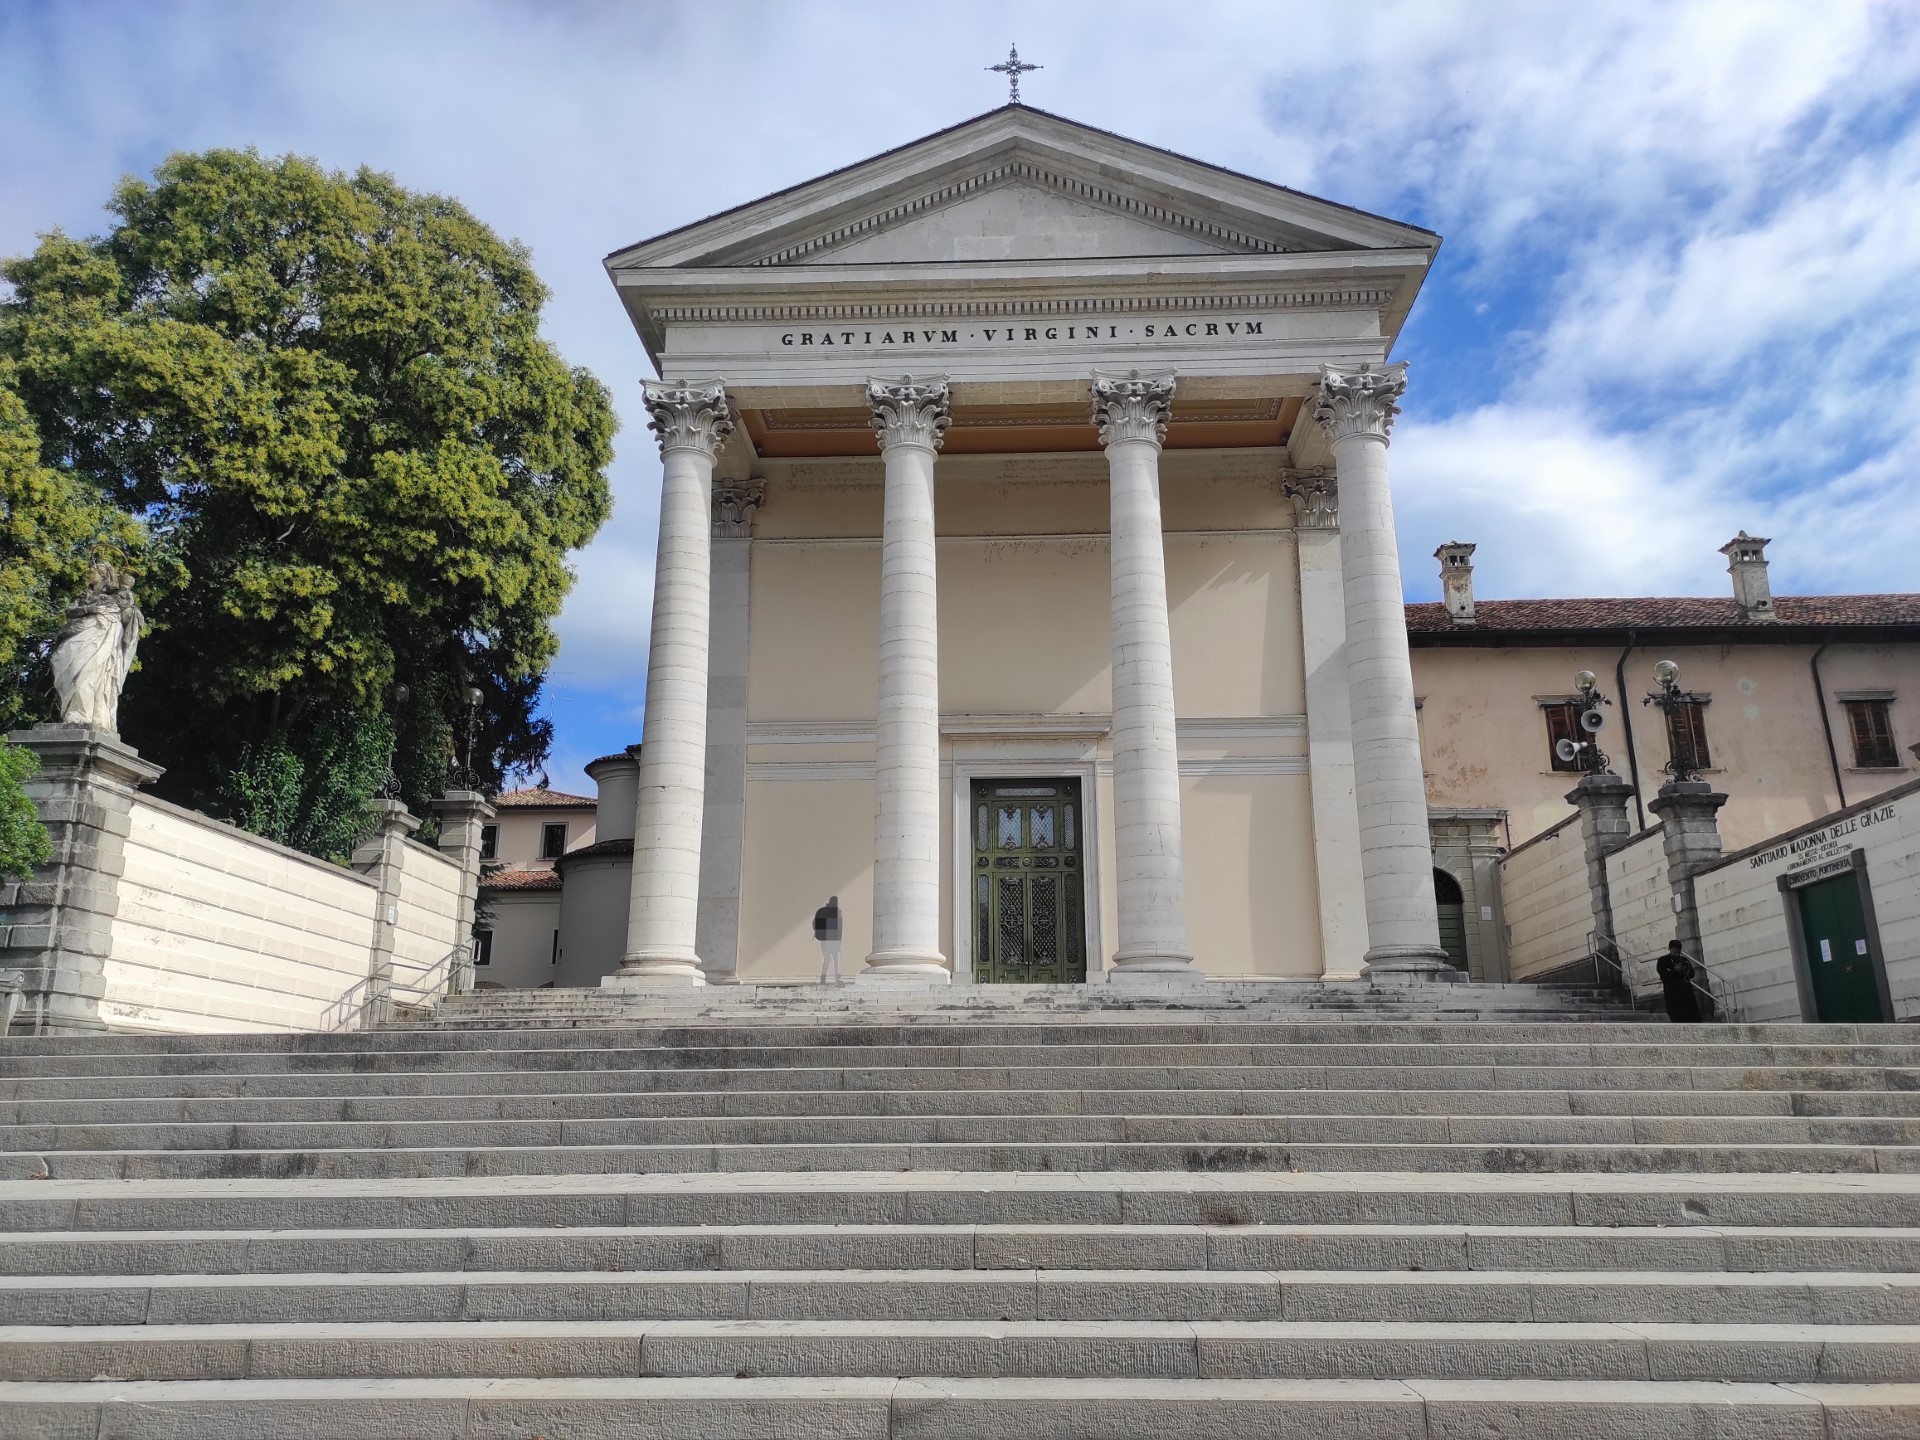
{"points": [[1677, 294]]}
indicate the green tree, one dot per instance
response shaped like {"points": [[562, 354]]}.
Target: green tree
{"points": [[53, 525], [23, 839], [358, 464]]}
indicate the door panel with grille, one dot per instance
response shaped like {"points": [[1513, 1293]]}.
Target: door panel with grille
{"points": [[1029, 888]]}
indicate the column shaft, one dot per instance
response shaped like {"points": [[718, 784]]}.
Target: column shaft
{"points": [[1132, 415], [692, 422], [910, 418], [1396, 851]]}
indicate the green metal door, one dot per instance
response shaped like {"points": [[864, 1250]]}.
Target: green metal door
{"points": [[1834, 927], [1029, 924]]}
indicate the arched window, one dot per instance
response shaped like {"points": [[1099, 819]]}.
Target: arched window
{"points": [[1451, 904]]}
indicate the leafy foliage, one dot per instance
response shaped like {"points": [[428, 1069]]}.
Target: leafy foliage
{"points": [[359, 465], [310, 797], [23, 839]]}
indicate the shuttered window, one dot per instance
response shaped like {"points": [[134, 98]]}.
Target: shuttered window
{"points": [[1563, 723], [1871, 722], [1687, 734]]}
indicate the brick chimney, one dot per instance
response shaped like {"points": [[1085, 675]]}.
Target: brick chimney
{"points": [[1747, 563], [1456, 579]]}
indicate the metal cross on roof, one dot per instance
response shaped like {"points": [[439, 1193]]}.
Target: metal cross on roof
{"points": [[1013, 67]]}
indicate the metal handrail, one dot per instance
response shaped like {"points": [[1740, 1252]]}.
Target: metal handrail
{"points": [[451, 974], [1603, 951]]}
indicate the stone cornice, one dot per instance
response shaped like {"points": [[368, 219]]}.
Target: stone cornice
{"points": [[876, 310], [689, 414], [1132, 406], [910, 412], [1359, 402]]}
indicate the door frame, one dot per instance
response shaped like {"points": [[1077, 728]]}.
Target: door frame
{"points": [[1797, 940], [1025, 758]]}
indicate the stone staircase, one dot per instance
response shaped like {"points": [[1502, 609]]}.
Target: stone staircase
{"points": [[1130, 1221]]}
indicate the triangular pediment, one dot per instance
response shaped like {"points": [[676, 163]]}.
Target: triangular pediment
{"points": [[1018, 184]]}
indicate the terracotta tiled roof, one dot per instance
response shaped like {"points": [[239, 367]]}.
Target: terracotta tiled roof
{"points": [[536, 798], [520, 880], [599, 847], [1682, 612]]}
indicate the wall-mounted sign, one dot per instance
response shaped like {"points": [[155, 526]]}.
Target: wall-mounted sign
{"points": [[1820, 845], [1826, 870], [882, 337]]}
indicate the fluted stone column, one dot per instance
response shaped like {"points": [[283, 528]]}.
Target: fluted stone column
{"points": [[692, 421], [1131, 412], [1357, 409], [911, 418]]}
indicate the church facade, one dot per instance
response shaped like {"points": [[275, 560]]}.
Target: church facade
{"points": [[1027, 577]]}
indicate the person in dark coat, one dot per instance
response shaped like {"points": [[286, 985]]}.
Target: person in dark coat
{"points": [[1676, 979], [826, 929]]}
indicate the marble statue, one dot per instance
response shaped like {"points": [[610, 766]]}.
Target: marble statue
{"points": [[94, 651]]}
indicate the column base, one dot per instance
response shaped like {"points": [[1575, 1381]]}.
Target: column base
{"points": [[921, 966], [1158, 963], [1411, 963], [661, 968], [720, 977]]}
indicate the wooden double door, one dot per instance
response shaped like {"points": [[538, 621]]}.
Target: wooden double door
{"points": [[1028, 882], [1841, 974]]}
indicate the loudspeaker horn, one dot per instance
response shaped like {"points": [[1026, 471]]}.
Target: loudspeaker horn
{"points": [[1591, 720], [1567, 751]]}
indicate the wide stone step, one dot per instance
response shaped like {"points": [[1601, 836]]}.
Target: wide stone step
{"points": [[948, 1078], [1182, 1057], [1189, 1155], [1206, 1349], [557, 1134], [953, 1409], [967, 1247], [1492, 1296], [984, 1197], [681, 1104], [687, 1103]]}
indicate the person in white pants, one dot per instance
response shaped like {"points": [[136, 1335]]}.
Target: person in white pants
{"points": [[826, 929]]}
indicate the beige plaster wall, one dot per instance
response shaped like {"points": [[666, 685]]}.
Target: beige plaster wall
{"points": [[220, 930], [518, 844], [1024, 632], [524, 924], [1643, 919], [1545, 897], [1745, 919], [1485, 743]]}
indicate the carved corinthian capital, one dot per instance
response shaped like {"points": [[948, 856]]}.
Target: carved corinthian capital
{"points": [[1316, 501], [689, 414], [733, 507], [910, 412], [1359, 402], [1132, 406]]}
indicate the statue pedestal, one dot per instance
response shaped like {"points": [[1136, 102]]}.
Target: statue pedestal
{"points": [[56, 925]]}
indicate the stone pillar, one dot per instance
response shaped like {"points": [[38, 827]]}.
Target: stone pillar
{"points": [[56, 928], [1131, 412], [692, 421], [463, 813], [1690, 834], [379, 858], [1336, 824], [1396, 855], [1602, 798], [724, 827], [911, 418]]}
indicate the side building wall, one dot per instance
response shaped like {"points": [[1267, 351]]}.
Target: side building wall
{"points": [[1543, 884], [221, 930], [1642, 907]]}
